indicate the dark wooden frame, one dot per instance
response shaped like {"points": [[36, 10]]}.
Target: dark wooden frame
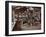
{"points": [[7, 15]]}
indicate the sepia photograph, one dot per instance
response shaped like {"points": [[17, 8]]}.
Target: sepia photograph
{"points": [[24, 18]]}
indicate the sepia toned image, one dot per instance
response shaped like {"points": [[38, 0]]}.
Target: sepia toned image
{"points": [[26, 18]]}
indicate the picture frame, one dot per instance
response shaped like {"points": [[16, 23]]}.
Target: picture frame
{"points": [[19, 6]]}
